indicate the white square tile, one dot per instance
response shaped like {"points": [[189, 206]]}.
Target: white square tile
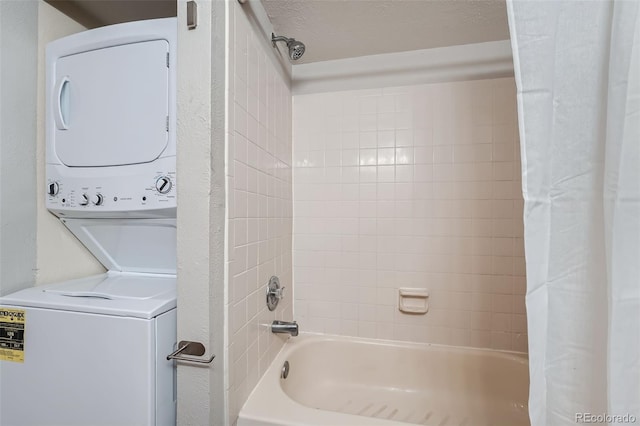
{"points": [[350, 140], [423, 154], [404, 173], [386, 121], [368, 105], [404, 138], [386, 156], [350, 157], [386, 138], [368, 174], [368, 157], [403, 155], [386, 174], [368, 123], [386, 103]]}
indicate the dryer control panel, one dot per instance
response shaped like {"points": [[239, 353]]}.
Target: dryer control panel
{"points": [[132, 191]]}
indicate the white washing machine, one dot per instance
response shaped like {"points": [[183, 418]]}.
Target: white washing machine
{"points": [[93, 351]]}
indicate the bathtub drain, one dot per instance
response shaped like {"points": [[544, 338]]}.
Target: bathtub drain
{"points": [[285, 370]]}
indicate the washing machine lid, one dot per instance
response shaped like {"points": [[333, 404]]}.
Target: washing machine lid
{"points": [[117, 294], [129, 245]]}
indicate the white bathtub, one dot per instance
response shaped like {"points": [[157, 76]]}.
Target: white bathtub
{"points": [[335, 381]]}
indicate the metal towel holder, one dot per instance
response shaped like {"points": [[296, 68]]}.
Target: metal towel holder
{"points": [[194, 349]]}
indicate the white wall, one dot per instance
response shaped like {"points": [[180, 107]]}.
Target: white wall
{"points": [[60, 255], [35, 247], [202, 399], [18, 46], [259, 196], [416, 187]]}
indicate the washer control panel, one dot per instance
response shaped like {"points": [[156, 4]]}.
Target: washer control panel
{"points": [[131, 193]]}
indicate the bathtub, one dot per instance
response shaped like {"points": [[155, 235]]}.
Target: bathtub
{"points": [[335, 381]]}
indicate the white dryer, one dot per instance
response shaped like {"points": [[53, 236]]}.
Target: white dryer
{"points": [[92, 351]]}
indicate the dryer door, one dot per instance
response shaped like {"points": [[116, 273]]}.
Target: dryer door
{"points": [[110, 106]]}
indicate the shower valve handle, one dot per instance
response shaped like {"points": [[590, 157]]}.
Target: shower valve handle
{"points": [[275, 292], [278, 293]]}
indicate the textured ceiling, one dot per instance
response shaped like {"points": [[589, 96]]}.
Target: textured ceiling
{"points": [[335, 29]]}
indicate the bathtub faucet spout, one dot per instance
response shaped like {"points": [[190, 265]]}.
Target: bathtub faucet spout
{"points": [[285, 327]]}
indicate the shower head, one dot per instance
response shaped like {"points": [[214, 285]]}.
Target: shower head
{"points": [[296, 48]]}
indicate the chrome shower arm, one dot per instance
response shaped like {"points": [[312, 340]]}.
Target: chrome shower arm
{"points": [[275, 39]]}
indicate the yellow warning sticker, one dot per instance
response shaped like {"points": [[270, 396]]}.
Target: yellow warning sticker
{"points": [[12, 322]]}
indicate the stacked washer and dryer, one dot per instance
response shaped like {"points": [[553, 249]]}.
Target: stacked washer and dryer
{"points": [[93, 351]]}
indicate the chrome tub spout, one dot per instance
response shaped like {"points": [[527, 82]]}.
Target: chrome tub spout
{"points": [[284, 327]]}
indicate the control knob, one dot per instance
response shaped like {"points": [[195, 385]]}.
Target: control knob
{"points": [[84, 200], [164, 184], [97, 199], [53, 188]]}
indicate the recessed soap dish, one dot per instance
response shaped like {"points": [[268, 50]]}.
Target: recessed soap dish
{"points": [[413, 300]]}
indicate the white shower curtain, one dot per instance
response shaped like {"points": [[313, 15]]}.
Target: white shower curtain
{"points": [[577, 67]]}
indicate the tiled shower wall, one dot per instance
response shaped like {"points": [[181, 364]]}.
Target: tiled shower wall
{"points": [[259, 203], [415, 187]]}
